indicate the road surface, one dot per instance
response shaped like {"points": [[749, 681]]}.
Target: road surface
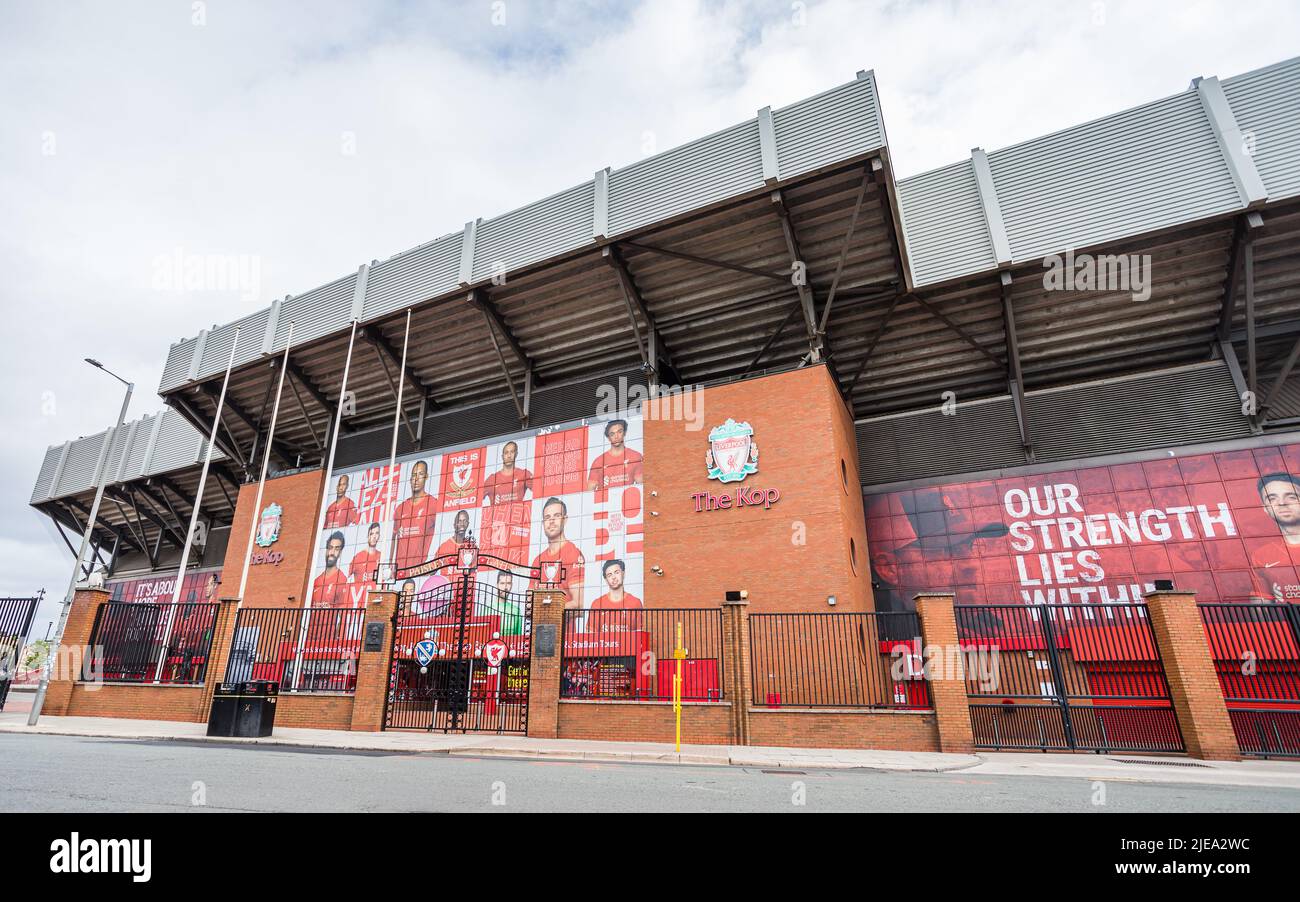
{"points": [[76, 774]]}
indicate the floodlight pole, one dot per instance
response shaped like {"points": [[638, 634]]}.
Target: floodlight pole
{"points": [[101, 478]]}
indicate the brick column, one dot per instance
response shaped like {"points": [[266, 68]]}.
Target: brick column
{"points": [[1193, 681], [74, 651], [948, 690], [373, 667], [544, 670], [735, 661], [223, 637]]}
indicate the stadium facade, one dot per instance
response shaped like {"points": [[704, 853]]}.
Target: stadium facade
{"points": [[1056, 373]]}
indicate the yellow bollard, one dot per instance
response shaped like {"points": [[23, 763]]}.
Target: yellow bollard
{"points": [[679, 653]]}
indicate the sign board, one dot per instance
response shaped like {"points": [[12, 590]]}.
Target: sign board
{"points": [[544, 640], [425, 649], [374, 640], [495, 652]]}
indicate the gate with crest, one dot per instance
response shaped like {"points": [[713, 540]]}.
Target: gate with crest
{"points": [[462, 648]]}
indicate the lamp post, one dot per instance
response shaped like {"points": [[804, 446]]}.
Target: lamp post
{"points": [[101, 474]]}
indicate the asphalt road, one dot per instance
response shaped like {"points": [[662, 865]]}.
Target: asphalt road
{"points": [[74, 774]]}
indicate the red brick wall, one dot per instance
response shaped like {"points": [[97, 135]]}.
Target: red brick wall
{"points": [[803, 432], [187, 704], [282, 585], [844, 729], [314, 712], [702, 723]]}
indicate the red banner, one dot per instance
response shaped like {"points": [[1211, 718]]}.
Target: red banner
{"points": [[1225, 525]]}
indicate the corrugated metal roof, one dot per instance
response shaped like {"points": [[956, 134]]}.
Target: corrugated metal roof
{"points": [[1266, 103], [1153, 167], [838, 125], [179, 445], [943, 219]]}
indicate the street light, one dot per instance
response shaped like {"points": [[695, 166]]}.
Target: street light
{"points": [[101, 478]]}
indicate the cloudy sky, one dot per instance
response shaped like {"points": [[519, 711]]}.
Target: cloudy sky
{"points": [[315, 136]]}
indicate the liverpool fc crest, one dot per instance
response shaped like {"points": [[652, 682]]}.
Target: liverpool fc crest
{"points": [[733, 453], [269, 529]]}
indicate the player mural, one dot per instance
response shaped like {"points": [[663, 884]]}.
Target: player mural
{"points": [[1225, 525], [566, 500]]}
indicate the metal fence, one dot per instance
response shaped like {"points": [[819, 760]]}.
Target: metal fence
{"points": [[152, 643], [302, 649], [629, 654], [1256, 652], [15, 621], [859, 660], [1078, 676]]}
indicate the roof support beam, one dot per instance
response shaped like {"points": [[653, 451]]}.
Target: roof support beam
{"points": [[161, 507], [376, 338], [173, 535], [705, 261], [200, 422], [844, 250], [501, 356], [1242, 234], [780, 327], [1279, 380], [478, 298], [802, 279], [279, 449], [871, 345], [103, 526], [954, 326], [1016, 377], [636, 306], [392, 385]]}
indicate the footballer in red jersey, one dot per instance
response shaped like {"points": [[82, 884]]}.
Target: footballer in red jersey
{"points": [[616, 599], [510, 483], [1277, 562], [365, 563], [559, 552], [459, 537], [413, 521], [343, 511], [619, 466], [330, 589]]}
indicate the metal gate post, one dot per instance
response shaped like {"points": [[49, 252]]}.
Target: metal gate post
{"points": [[1058, 675]]}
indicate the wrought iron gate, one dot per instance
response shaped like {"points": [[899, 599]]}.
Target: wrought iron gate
{"points": [[1079, 676], [15, 622], [470, 682]]}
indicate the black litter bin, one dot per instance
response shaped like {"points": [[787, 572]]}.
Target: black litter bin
{"points": [[256, 714], [225, 704], [243, 709]]}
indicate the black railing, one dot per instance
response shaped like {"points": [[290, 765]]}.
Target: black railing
{"points": [[302, 649], [859, 660], [15, 620], [1077, 676], [1256, 652], [152, 643], [628, 654]]}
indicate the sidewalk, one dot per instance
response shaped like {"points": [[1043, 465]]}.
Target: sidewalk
{"points": [[1167, 769]]}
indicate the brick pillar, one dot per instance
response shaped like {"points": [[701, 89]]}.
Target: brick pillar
{"points": [[735, 662], [223, 637], [373, 667], [1193, 681], [948, 690], [544, 669], [74, 651]]}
